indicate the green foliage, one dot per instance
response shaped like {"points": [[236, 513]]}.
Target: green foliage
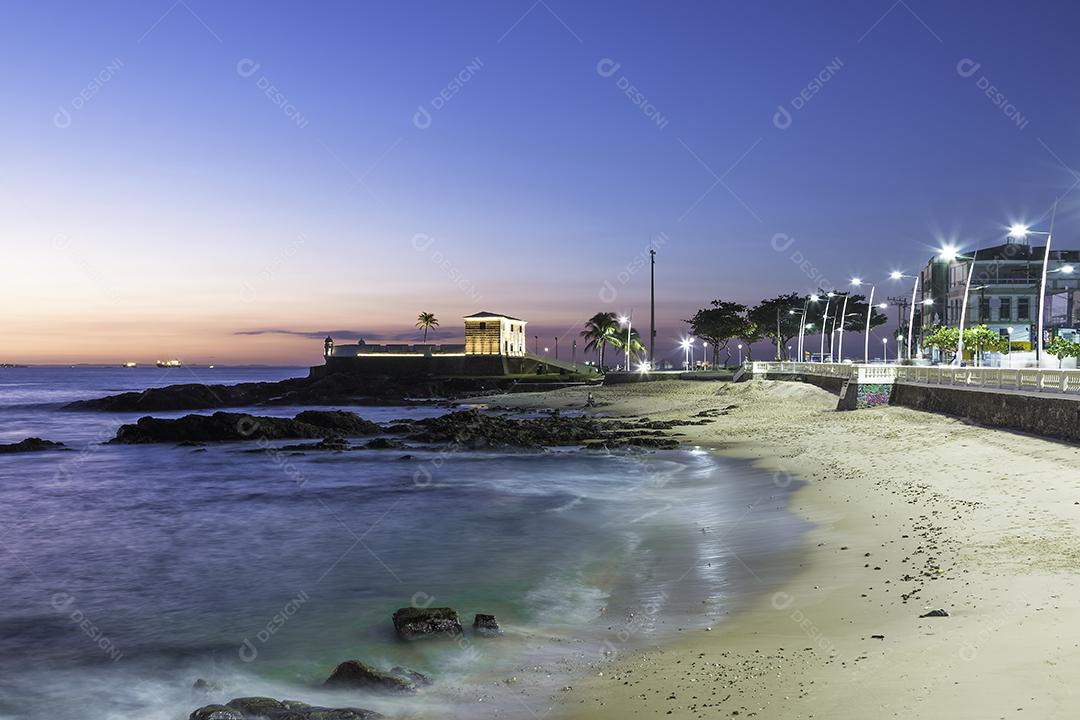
{"points": [[426, 321], [718, 324], [980, 339], [778, 318], [600, 331], [619, 341], [945, 339], [1062, 348]]}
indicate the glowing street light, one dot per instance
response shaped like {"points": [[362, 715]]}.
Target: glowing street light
{"points": [[740, 353], [824, 322], [869, 312], [950, 253], [1020, 232], [626, 320], [897, 275], [885, 349], [685, 344]]}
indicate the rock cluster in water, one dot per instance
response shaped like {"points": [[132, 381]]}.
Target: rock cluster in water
{"points": [[264, 708], [412, 623], [33, 444], [467, 428], [333, 389], [361, 676]]}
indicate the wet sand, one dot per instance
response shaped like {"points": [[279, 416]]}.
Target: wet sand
{"points": [[913, 512]]}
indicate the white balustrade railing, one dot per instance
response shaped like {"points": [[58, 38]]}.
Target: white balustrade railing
{"points": [[1022, 379], [1015, 379]]}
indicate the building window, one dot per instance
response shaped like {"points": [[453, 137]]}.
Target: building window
{"points": [[1005, 309], [1023, 309], [984, 309]]}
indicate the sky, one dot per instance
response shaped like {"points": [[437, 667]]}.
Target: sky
{"points": [[228, 181]]}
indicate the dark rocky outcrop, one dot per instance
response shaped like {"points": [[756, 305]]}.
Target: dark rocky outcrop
{"points": [[415, 623], [331, 389], [486, 626], [223, 426], [418, 678], [263, 708], [32, 444], [474, 429], [361, 676], [466, 428]]}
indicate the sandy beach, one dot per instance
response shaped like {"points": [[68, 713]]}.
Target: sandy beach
{"points": [[912, 513]]}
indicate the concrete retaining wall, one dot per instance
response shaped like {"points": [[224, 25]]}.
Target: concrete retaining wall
{"points": [[1047, 415]]}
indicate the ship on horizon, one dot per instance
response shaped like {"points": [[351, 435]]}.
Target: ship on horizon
{"points": [[174, 363]]}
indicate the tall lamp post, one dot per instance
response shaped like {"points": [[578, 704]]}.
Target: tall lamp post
{"points": [[897, 275], [740, 353], [869, 313], [824, 324], [842, 319], [1022, 231], [949, 253], [652, 304], [686, 353], [802, 324], [885, 349], [627, 320]]}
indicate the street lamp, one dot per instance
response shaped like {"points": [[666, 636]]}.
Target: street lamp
{"points": [[950, 253], [686, 353], [1020, 232], [897, 275], [885, 349], [740, 353], [802, 323], [626, 320], [824, 322], [869, 312]]}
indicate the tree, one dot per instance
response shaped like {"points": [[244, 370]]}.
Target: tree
{"points": [[982, 339], [426, 321], [717, 325], [779, 318], [1061, 348], [750, 334], [618, 340], [945, 339], [600, 331]]}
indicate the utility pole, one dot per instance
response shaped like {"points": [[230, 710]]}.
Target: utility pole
{"points": [[652, 305], [556, 347]]}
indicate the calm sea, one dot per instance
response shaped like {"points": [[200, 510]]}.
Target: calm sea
{"points": [[130, 571]]}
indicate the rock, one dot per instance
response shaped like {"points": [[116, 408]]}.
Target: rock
{"points": [[262, 708], [216, 712], [357, 675], [418, 678], [333, 444], [32, 444], [411, 623], [346, 423], [382, 443], [223, 426], [935, 613], [486, 626]]}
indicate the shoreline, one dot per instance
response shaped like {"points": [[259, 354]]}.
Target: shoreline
{"points": [[911, 512]]}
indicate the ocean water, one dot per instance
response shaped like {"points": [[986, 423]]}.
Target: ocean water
{"points": [[130, 571]]}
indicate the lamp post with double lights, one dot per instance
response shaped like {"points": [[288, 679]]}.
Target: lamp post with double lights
{"points": [[869, 313], [627, 320], [802, 323], [1020, 232], [824, 323], [897, 275]]}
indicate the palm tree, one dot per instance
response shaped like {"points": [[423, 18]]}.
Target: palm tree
{"points": [[426, 321], [636, 346], [601, 330]]}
